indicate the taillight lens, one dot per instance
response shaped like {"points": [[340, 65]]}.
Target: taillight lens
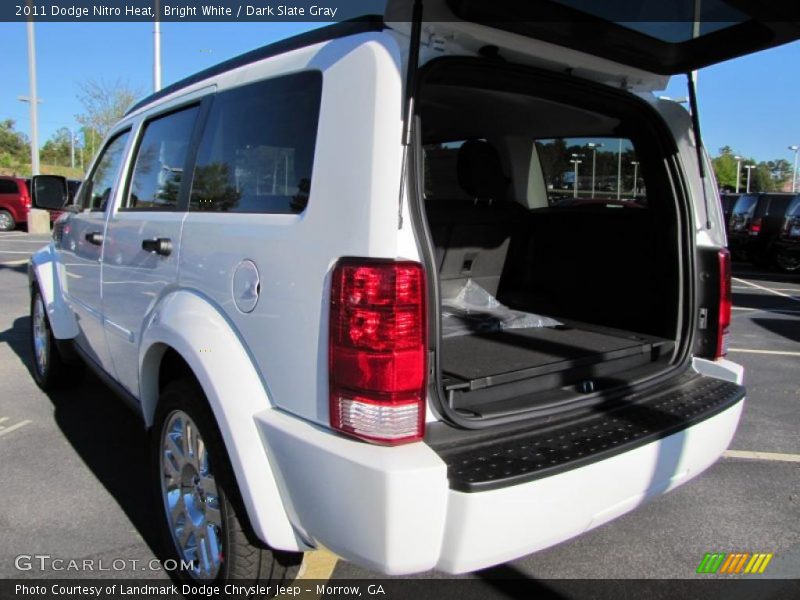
{"points": [[725, 303], [755, 227], [377, 350]]}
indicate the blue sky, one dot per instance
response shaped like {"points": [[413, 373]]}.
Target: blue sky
{"points": [[750, 103]]}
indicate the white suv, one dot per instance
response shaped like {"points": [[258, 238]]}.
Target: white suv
{"points": [[431, 313]]}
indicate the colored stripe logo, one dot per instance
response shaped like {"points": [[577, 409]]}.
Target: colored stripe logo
{"points": [[734, 563]]}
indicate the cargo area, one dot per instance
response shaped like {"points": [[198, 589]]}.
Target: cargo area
{"points": [[553, 233]]}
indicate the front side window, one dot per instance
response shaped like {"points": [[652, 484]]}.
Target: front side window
{"points": [[257, 150], [586, 171], [156, 180], [99, 186]]}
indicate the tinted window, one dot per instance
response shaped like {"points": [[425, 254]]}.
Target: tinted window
{"points": [[591, 171], [745, 204], [794, 208], [7, 186], [257, 150], [156, 179], [98, 188]]}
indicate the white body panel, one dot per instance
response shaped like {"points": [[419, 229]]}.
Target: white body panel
{"points": [[391, 509], [265, 372]]}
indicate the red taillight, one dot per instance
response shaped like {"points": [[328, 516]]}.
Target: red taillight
{"points": [[725, 303], [377, 350], [755, 226]]}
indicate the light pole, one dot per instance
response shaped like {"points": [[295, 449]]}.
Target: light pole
{"points": [[749, 169], [619, 170], [576, 161], [593, 146], [738, 160], [795, 148], [157, 50], [33, 99], [635, 164]]}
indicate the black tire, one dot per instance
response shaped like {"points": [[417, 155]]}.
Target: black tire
{"points": [[50, 369], [787, 262], [7, 222], [243, 557]]}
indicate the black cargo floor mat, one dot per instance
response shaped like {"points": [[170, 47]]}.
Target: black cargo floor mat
{"points": [[479, 355]]}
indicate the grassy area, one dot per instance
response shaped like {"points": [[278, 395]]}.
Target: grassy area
{"points": [[24, 170]]}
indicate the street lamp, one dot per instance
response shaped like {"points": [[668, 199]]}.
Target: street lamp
{"points": [[738, 160], [635, 164], [795, 148], [576, 161], [749, 169], [593, 146]]}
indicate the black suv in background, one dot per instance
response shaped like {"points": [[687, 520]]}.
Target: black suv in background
{"points": [[787, 246], [756, 224], [728, 201]]}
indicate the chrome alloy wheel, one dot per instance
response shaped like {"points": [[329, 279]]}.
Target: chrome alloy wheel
{"points": [[190, 495], [41, 335], [6, 221]]}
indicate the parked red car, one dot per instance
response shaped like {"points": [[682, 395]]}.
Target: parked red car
{"points": [[15, 201]]}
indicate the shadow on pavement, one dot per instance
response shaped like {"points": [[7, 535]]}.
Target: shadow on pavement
{"points": [[787, 328], [107, 436]]}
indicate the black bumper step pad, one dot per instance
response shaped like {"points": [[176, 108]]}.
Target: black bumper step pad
{"points": [[642, 419]]}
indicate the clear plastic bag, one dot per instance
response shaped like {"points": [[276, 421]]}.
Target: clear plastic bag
{"points": [[474, 310]]}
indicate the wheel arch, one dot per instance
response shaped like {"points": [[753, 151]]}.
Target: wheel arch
{"points": [[186, 335], [44, 272]]}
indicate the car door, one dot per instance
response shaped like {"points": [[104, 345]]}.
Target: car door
{"points": [[140, 259], [81, 248]]}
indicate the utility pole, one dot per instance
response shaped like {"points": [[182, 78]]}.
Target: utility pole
{"points": [[71, 148], [749, 169], [576, 161], [594, 146], [33, 99], [796, 149], [157, 50], [619, 171], [738, 160], [635, 164]]}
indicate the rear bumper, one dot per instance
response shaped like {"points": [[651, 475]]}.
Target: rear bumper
{"points": [[393, 509]]}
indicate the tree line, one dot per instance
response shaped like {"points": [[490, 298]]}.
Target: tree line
{"points": [[766, 176], [103, 103]]}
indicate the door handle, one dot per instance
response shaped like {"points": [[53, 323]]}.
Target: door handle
{"points": [[162, 246], [95, 238]]}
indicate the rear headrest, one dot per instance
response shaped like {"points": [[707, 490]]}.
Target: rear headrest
{"points": [[480, 173]]}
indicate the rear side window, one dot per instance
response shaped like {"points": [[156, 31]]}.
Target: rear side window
{"points": [[7, 186], [794, 208], [592, 172], [745, 205], [257, 150], [99, 186], [158, 170]]}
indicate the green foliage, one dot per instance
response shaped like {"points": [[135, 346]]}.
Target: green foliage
{"points": [[15, 148], [767, 176]]}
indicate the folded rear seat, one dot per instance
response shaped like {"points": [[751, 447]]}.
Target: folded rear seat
{"points": [[472, 237]]}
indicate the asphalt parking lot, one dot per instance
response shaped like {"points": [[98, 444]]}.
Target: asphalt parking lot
{"points": [[74, 484]]}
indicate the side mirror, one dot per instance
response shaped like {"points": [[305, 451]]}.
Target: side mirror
{"points": [[49, 192]]}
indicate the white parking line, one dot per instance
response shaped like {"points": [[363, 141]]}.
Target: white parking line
{"points": [[14, 252], [774, 456], [6, 430], [766, 289], [753, 351]]}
